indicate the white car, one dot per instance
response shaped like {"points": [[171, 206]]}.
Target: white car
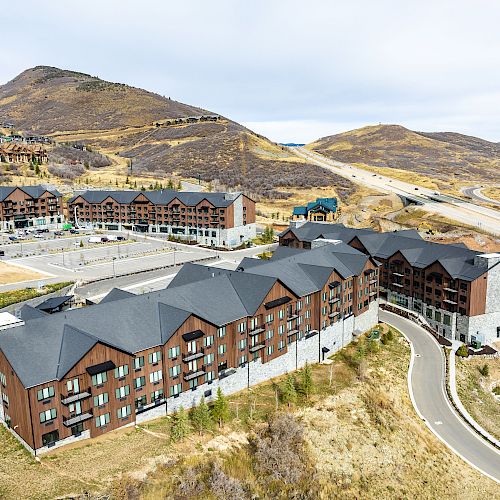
{"points": [[36, 235]]}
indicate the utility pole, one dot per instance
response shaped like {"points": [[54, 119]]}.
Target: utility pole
{"points": [[114, 273]]}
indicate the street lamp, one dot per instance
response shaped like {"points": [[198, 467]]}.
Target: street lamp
{"points": [[113, 262]]}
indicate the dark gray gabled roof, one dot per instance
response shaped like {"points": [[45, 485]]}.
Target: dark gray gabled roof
{"points": [[159, 197], [27, 313], [54, 302], [33, 191], [115, 294]]}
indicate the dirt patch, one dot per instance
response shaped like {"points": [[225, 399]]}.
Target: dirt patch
{"points": [[10, 273]]}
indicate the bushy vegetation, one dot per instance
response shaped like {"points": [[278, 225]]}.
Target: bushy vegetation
{"points": [[462, 351], [69, 155], [15, 296]]}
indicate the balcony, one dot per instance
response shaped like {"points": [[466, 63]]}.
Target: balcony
{"points": [[73, 398], [194, 374], [334, 300], [372, 282], [449, 301], [451, 290], [68, 422], [191, 356], [257, 347], [333, 314], [292, 316], [373, 293], [397, 273], [291, 332], [256, 331], [399, 285]]}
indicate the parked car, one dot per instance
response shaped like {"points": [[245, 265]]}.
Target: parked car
{"points": [[74, 231], [38, 235], [58, 233], [13, 238]]}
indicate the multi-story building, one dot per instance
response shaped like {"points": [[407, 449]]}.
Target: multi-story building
{"points": [[82, 372], [30, 206], [217, 219], [15, 152], [455, 289]]}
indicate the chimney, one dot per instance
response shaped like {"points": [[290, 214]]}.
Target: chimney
{"points": [[487, 260]]}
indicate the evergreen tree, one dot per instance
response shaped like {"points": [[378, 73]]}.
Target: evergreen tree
{"points": [[179, 186], [180, 427], [170, 184], [288, 391], [220, 410], [307, 383], [135, 184], [37, 170], [127, 180], [201, 417]]}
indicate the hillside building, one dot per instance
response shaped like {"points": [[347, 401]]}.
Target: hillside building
{"points": [[321, 210], [215, 219], [456, 290], [30, 206], [15, 152], [80, 373]]}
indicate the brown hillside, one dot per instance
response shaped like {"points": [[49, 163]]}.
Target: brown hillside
{"points": [[444, 156], [121, 121]]}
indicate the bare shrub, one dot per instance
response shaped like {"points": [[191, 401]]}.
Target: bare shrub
{"points": [[190, 482], [224, 486], [72, 155], [65, 171], [279, 449]]}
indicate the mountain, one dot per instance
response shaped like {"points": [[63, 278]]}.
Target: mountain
{"points": [[154, 131], [443, 156]]}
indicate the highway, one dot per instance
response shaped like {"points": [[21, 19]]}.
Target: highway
{"points": [[427, 390], [475, 193], [484, 218]]}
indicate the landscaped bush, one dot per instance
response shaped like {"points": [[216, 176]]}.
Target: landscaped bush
{"points": [[484, 370], [15, 296], [462, 351]]}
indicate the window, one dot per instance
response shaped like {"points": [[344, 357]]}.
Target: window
{"points": [[121, 371], [209, 359], [101, 399], [46, 393], [270, 349], [154, 357], [281, 344], [75, 408], [269, 334], [156, 395], [174, 371], [447, 319], [242, 359], [269, 318], [123, 412], [155, 377], [209, 376], [139, 382], [3, 379], [241, 327], [221, 332], [281, 313], [324, 296], [254, 322], [281, 329], [140, 402], [324, 310], [138, 363], [102, 420], [437, 316], [99, 378], [308, 314], [48, 415], [222, 349], [428, 313], [122, 392], [299, 305], [242, 343], [73, 386], [308, 299], [175, 389], [208, 341], [173, 352], [193, 383]]}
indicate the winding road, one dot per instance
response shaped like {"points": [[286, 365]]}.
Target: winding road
{"points": [[475, 193], [426, 382]]}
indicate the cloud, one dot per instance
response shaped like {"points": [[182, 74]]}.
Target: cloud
{"points": [[292, 68]]}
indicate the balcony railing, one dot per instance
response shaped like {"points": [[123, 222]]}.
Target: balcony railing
{"points": [[257, 347], [73, 398], [68, 422], [194, 374], [191, 356], [256, 331]]}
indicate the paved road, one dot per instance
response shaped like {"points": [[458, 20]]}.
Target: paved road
{"points": [[429, 397], [475, 193], [484, 218]]}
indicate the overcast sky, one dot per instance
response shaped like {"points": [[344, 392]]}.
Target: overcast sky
{"points": [[293, 71]]}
